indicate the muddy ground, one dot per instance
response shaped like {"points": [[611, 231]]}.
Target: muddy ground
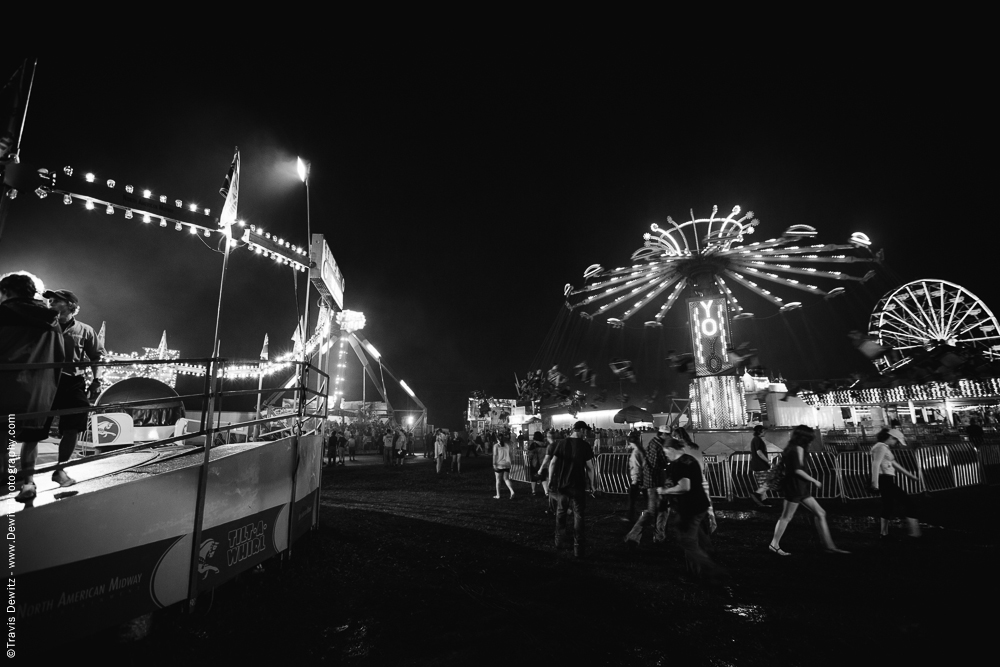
{"points": [[408, 568]]}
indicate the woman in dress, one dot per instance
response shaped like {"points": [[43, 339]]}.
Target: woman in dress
{"points": [[797, 487], [884, 469], [501, 464]]}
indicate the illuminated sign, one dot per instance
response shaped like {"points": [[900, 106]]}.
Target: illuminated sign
{"points": [[709, 320], [325, 274]]}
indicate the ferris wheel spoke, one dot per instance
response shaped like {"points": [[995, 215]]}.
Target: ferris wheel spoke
{"points": [[954, 310], [917, 318], [980, 338], [969, 328], [961, 321], [918, 330], [930, 310], [899, 333]]}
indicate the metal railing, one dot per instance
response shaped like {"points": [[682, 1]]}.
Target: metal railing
{"points": [[210, 397]]}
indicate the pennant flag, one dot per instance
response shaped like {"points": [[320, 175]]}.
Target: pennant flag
{"points": [[163, 344], [100, 336], [231, 191], [263, 350]]}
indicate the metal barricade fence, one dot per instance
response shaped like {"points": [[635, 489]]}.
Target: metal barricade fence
{"points": [[719, 476], [989, 459], [908, 459], [518, 471], [935, 468], [823, 466], [612, 473], [855, 474], [742, 481], [845, 475], [964, 463]]}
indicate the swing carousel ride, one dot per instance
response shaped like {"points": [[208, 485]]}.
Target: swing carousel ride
{"points": [[705, 259]]}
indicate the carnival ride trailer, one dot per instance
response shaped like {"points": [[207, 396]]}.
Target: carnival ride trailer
{"points": [[121, 546]]}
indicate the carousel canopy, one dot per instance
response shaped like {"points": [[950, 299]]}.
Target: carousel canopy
{"points": [[140, 389]]}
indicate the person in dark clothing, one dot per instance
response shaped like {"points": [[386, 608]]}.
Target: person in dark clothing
{"points": [[797, 487], [653, 477], [975, 433], [29, 334], [690, 510], [570, 472], [759, 463]]}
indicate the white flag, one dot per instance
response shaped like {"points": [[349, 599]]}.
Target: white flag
{"points": [[231, 190]]}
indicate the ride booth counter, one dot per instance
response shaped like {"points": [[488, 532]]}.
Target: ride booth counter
{"points": [[121, 547]]}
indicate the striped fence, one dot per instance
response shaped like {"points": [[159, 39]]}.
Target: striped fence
{"points": [[845, 474]]}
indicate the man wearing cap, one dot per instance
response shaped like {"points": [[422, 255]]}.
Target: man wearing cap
{"points": [[29, 334], [570, 471], [653, 476], [73, 392]]}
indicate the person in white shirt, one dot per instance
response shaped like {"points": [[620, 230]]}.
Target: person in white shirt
{"points": [[884, 468]]}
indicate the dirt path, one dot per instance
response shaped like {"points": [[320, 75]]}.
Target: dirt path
{"points": [[409, 568]]}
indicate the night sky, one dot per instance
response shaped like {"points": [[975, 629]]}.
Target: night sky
{"points": [[460, 195]]}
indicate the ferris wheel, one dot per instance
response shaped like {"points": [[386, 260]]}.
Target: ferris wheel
{"points": [[926, 312]]}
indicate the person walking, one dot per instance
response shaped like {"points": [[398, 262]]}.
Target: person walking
{"points": [[570, 473], [688, 520], [531, 459], [759, 464], [501, 465], [440, 447], [692, 449], [653, 477], [636, 459], [455, 447], [387, 444], [797, 486], [884, 468]]}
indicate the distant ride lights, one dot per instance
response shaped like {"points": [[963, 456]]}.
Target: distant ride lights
{"points": [[702, 254], [707, 256]]}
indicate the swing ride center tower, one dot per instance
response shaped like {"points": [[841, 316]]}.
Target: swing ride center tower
{"points": [[717, 394]]}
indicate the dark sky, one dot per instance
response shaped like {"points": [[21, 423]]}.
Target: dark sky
{"points": [[459, 195]]}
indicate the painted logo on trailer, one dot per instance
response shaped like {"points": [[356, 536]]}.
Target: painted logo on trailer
{"points": [[108, 430], [207, 550]]}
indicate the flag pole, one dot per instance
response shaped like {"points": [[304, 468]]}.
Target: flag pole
{"points": [[230, 190]]}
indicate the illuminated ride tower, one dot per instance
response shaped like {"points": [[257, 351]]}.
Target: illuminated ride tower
{"points": [[717, 396]]}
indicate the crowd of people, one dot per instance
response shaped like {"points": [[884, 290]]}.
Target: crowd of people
{"points": [[669, 492]]}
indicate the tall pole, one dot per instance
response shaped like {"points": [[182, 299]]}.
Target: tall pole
{"points": [[212, 374]]}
